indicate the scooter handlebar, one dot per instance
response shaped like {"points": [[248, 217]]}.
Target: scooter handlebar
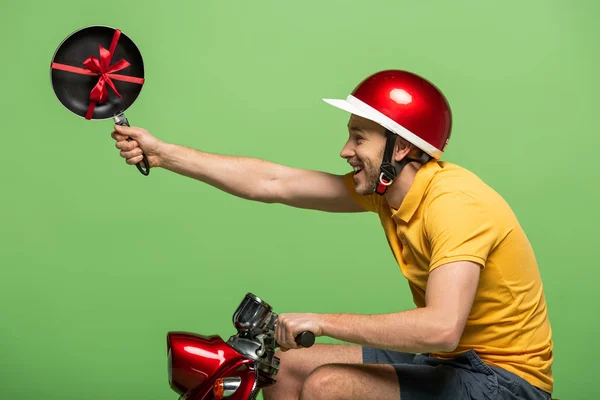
{"points": [[305, 339]]}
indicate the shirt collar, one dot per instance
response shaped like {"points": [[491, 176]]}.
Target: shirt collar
{"points": [[415, 194]]}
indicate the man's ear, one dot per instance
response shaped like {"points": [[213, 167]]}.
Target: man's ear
{"points": [[401, 149]]}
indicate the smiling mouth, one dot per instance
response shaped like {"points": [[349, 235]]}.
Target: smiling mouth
{"points": [[358, 170]]}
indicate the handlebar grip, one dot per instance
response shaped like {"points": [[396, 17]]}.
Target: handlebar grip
{"points": [[305, 339]]}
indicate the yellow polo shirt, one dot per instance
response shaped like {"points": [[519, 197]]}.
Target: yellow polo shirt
{"points": [[450, 215]]}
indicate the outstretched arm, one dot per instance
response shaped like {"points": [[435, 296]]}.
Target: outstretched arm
{"points": [[245, 177]]}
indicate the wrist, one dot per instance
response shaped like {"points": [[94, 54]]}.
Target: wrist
{"points": [[328, 322], [163, 154]]}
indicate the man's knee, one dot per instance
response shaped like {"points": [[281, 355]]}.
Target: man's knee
{"points": [[297, 365], [325, 382]]}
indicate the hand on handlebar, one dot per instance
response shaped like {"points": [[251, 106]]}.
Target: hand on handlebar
{"points": [[294, 331]]}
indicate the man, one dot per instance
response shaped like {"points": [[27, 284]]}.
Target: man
{"points": [[480, 329]]}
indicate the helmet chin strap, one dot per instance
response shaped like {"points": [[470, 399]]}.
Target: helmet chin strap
{"points": [[389, 171]]}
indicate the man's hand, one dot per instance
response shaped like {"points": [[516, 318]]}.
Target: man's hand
{"points": [[291, 325], [143, 142]]}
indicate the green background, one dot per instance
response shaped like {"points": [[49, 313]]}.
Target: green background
{"points": [[99, 262]]}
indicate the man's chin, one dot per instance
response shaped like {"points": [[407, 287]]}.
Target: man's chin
{"points": [[364, 190]]}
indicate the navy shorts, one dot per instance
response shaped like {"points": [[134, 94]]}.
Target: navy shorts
{"points": [[464, 377]]}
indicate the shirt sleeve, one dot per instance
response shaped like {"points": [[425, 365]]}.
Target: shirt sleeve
{"points": [[458, 229], [368, 202]]}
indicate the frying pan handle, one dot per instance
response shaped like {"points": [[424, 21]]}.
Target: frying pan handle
{"points": [[121, 120]]}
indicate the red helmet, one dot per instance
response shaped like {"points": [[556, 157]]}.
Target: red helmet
{"points": [[407, 105]]}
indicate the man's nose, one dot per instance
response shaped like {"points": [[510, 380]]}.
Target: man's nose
{"points": [[347, 151]]}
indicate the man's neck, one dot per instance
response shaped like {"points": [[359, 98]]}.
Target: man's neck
{"points": [[398, 190]]}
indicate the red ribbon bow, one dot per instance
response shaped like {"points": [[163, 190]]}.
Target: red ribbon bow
{"points": [[102, 68]]}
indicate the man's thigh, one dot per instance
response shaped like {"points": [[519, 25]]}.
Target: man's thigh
{"points": [[421, 377], [415, 381], [464, 377], [389, 375]]}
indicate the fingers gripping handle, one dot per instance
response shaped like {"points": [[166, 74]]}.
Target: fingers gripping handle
{"points": [[143, 166], [305, 339]]}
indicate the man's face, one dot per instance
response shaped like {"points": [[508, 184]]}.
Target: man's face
{"points": [[364, 152]]}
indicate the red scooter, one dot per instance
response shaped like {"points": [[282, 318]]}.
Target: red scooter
{"points": [[208, 368]]}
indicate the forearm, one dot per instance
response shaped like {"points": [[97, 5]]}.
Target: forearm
{"points": [[419, 330], [245, 177]]}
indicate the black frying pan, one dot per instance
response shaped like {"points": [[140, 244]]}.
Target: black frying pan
{"points": [[97, 73]]}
